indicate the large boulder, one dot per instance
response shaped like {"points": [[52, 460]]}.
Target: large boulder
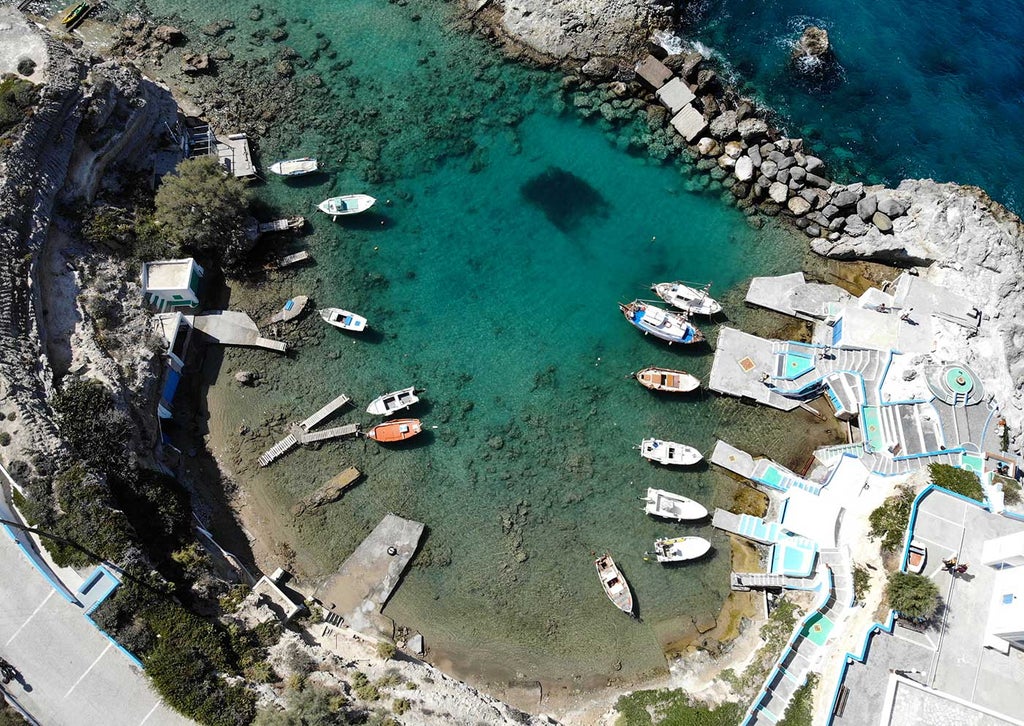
{"points": [[867, 207], [724, 125], [778, 192], [752, 129], [812, 55], [744, 168], [891, 208], [600, 68], [168, 34], [798, 205]]}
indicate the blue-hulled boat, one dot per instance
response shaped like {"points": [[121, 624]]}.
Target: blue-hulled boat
{"points": [[672, 327]]}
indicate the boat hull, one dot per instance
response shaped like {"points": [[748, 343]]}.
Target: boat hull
{"points": [[391, 403], [295, 167], [669, 505], [346, 205], [669, 453], [291, 310], [668, 326], [615, 585], [400, 429], [692, 300], [343, 319], [666, 380], [680, 549]]}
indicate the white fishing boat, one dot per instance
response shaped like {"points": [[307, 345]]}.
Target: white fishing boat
{"points": [[660, 503], [669, 452], [679, 549], [614, 584], [343, 319], [666, 380], [345, 205], [673, 327], [295, 167], [695, 301], [392, 402]]}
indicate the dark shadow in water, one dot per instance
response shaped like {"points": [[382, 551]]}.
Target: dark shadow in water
{"points": [[305, 181], [685, 563], [370, 336], [564, 198]]}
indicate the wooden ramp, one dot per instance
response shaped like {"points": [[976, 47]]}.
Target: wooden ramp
{"points": [[334, 433], [278, 450], [300, 432], [325, 412]]}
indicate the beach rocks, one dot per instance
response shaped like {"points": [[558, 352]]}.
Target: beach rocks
{"points": [[707, 146], [867, 207], [891, 207], [723, 126], [778, 192], [845, 198], [752, 129], [196, 63], [217, 28], [881, 221], [813, 43], [798, 206], [744, 170], [247, 378], [168, 34], [600, 68]]}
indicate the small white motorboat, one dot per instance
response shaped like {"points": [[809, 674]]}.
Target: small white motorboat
{"points": [[295, 167], [669, 452], [660, 503], [679, 549], [693, 300], [614, 584], [343, 319], [392, 402], [348, 204]]}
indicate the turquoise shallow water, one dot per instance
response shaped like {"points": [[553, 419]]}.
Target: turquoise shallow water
{"points": [[491, 280], [927, 88]]}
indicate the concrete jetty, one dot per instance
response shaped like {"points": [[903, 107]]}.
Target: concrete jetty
{"points": [[361, 588], [740, 362], [229, 327], [793, 295]]}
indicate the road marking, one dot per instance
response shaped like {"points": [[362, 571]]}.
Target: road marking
{"points": [[959, 525], [155, 707], [82, 677], [27, 620]]}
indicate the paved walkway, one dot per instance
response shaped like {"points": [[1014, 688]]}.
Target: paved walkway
{"points": [[71, 675]]}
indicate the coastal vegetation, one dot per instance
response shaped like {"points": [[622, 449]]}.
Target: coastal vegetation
{"points": [[1011, 489], [202, 210], [775, 633], [17, 99], [960, 481], [800, 711], [665, 707], [861, 582], [889, 521], [912, 596]]}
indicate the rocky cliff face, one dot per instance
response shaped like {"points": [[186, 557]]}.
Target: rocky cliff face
{"points": [[87, 119], [972, 246], [578, 29]]}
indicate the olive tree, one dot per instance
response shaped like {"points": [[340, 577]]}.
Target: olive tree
{"points": [[913, 596], [203, 209]]}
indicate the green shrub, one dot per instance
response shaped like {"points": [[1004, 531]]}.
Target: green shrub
{"points": [[913, 596], [889, 521], [202, 209], [97, 433], [671, 707], [861, 582], [1011, 489], [800, 711], [260, 672], [5, 438], [368, 692], [232, 599], [400, 706], [386, 650], [308, 706], [957, 480], [18, 98], [359, 679]]}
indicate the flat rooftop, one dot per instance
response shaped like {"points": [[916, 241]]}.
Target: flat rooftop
{"points": [[967, 683], [168, 274]]}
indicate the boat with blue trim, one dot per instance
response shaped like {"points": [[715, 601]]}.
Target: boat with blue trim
{"points": [[669, 326]]}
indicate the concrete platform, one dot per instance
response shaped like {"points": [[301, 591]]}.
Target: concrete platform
{"points": [[229, 327], [360, 589], [732, 459], [675, 95], [234, 155], [793, 295], [653, 72], [689, 123], [740, 361]]}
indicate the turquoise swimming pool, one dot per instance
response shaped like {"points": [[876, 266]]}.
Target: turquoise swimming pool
{"points": [[797, 364], [871, 423], [772, 477], [817, 628]]}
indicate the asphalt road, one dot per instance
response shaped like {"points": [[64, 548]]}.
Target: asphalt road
{"points": [[71, 675]]}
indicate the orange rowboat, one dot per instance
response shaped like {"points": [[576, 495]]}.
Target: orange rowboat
{"points": [[397, 430]]}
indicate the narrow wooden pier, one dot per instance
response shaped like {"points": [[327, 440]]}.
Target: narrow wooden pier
{"points": [[300, 433]]}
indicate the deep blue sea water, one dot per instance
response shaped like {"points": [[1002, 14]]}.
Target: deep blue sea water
{"points": [[928, 88]]}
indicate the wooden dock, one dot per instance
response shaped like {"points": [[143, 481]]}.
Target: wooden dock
{"points": [[300, 434]]}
